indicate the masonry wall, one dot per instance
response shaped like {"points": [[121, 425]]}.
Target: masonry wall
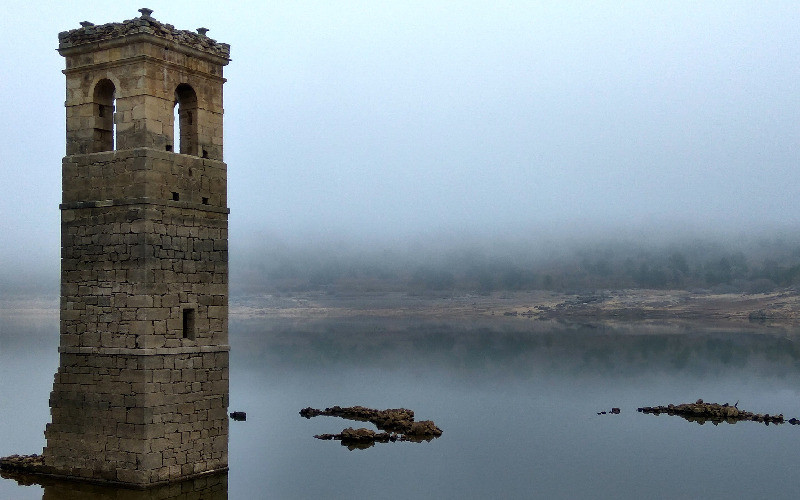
{"points": [[144, 173], [137, 398], [135, 258], [138, 417]]}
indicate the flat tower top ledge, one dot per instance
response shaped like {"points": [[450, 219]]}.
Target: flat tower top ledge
{"points": [[145, 25]]}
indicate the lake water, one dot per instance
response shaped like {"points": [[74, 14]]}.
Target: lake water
{"points": [[517, 401]]}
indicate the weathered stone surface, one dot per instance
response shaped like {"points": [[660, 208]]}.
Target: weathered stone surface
{"points": [[145, 24]]}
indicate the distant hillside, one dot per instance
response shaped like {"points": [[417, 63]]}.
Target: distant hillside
{"points": [[758, 265]]}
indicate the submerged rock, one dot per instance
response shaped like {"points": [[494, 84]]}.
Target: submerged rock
{"points": [[424, 429], [360, 438], [398, 425], [702, 412], [23, 463]]}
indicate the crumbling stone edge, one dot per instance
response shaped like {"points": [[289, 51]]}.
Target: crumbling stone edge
{"points": [[29, 469], [30, 464]]}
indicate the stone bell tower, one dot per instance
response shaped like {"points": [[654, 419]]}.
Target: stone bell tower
{"points": [[141, 393]]}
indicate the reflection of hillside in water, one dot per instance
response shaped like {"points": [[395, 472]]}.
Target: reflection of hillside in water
{"points": [[525, 349], [212, 487]]}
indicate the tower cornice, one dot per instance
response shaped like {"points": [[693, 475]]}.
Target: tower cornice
{"points": [[146, 27], [142, 58]]}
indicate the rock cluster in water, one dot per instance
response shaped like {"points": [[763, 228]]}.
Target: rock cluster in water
{"points": [[397, 425], [715, 413], [33, 464]]}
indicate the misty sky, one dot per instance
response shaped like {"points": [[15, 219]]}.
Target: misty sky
{"points": [[424, 119]]}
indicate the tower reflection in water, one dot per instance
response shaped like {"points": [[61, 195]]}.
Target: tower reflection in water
{"points": [[211, 487]]}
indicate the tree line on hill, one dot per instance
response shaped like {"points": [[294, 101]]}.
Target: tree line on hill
{"points": [[744, 266]]}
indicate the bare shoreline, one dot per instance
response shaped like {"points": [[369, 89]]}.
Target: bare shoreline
{"points": [[780, 308]]}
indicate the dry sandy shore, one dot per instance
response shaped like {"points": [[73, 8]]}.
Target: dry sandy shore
{"points": [[613, 305]]}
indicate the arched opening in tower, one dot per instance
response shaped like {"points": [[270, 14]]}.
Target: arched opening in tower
{"points": [[185, 133], [103, 104]]}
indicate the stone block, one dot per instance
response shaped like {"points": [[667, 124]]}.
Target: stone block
{"points": [[133, 476], [152, 313], [140, 301]]}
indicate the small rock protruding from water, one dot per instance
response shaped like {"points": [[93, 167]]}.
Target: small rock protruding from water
{"points": [[702, 412]]}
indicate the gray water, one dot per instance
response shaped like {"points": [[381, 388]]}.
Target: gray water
{"points": [[517, 401]]}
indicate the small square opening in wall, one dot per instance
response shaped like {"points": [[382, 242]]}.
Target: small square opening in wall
{"points": [[205, 200], [175, 196], [188, 324]]}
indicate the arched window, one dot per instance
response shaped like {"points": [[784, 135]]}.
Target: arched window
{"points": [[186, 124], [103, 111]]}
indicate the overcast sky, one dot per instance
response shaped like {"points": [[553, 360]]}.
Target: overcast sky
{"points": [[392, 120]]}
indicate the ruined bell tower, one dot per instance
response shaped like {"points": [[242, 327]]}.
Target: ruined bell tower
{"points": [[141, 393]]}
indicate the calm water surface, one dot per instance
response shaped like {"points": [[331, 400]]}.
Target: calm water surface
{"points": [[517, 401]]}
